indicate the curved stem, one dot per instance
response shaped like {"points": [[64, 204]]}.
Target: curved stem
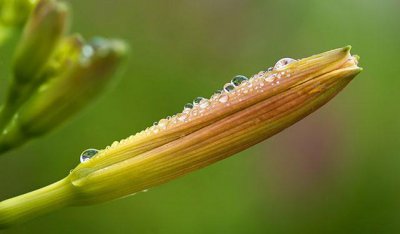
{"points": [[33, 204]]}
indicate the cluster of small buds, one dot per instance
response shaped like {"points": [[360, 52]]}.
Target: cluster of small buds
{"points": [[48, 67]]}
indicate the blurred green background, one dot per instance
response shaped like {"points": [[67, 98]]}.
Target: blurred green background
{"points": [[337, 171]]}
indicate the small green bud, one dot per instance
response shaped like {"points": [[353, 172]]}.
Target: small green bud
{"points": [[40, 37]]}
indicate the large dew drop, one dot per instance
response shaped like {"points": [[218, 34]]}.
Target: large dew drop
{"points": [[88, 154], [283, 63]]}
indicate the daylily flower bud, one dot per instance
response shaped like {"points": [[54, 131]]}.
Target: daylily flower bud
{"points": [[214, 129], [247, 112]]}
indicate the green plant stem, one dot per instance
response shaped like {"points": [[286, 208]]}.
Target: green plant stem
{"points": [[15, 98], [38, 202], [6, 114]]}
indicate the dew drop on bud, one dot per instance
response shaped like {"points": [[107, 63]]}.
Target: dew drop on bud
{"points": [[237, 80], [219, 91], [270, 78], [223, 98], [163, 123], [204, 103], [87, 51], [88, 154], [86, 55], [182, 117], [283, 62], [228, 87], [188, 106], [197, 100]]}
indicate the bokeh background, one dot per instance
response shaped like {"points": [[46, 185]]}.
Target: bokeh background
{"points": [[337, 171]]}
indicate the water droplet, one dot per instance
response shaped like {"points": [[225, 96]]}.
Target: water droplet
{"points": [[188, 106], [237, 80], [270, 78], [197, 100], [219, 91], [163, 123], [283, 62], [181, 117], [145, 190], [154, 129], [155, 123], [87, 51], [100, 46], [270, 69], [204, 103], [88, 154], [223, 98], [228, 87]]}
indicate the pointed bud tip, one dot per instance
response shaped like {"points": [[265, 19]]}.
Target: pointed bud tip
{"points": [[347, 48]]}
